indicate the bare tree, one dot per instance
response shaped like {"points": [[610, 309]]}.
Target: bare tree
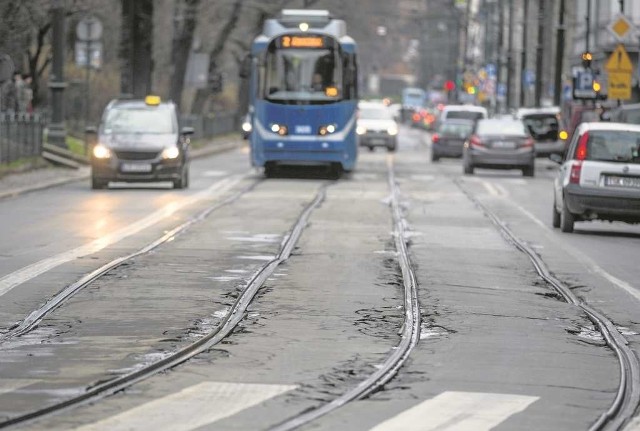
{"points": [[185, 21]]}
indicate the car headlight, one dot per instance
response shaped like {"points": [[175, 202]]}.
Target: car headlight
{"points": [[393, 130], [327, 130], [279, 129], [101, 152], [361, 130], [170, 153], [246, 126]]}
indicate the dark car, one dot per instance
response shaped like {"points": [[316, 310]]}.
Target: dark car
{"points": [[450, 138], [499, 144], [545, 127], [139, 140]]}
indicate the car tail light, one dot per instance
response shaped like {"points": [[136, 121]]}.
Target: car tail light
{"points": [[475, 141], [528, 142], [581, 150], [435, 138], [576, 170], [416, 117]]}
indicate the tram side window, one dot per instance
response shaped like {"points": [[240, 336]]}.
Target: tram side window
{"points": [[350, 68]]}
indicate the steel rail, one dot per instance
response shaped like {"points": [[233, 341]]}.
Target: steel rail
{"points": [[228, 324], [36, 316], [627, 396], [410, 333]]}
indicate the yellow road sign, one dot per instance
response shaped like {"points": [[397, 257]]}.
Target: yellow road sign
{"points": [[619, 85], [619, 61]]}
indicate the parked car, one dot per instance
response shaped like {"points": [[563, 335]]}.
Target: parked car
{"points": [[449, 138], [499, 144], [139, 140], [545, 127], [599, 177], [376, 126]]}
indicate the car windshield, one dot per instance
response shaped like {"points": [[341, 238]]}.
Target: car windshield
{"points": [[465, 115], [614, 146], [542, 126], [457, 130], [501, 128], [373, 113], [153, 121]]}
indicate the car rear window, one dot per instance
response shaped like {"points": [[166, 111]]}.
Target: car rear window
{"points": [[455, 130], [542, 127], [464, 115], [613, 146], [501, 127]]}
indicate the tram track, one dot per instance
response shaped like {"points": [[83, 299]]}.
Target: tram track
{"points": [[36, 316], [622, 409], [410, 331], [233, 317]]}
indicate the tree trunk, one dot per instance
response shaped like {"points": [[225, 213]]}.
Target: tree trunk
{"points": [[185, 21], [203, 94], [136, 47]]}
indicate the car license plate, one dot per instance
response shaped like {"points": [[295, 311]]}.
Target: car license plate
{"points": [[136, 167], [616, 181], [504, 144], [303, 130], [378, 141]]}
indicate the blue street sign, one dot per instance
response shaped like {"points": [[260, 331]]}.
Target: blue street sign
{"points": [[529, 78], [491, 69], [502, 90]]}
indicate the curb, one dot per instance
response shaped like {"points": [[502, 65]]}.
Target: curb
{"points": [[195, 154]]}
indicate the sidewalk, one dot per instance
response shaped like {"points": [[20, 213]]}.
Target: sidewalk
{"points": [[39, 179]]}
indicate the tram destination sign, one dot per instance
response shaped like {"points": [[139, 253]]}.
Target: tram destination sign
{"points": [[302, 42]]}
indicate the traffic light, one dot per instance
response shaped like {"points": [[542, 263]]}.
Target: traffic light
{"points": [[587, 57], [216, 81], [449, 85]]}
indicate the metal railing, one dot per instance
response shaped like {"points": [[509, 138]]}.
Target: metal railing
{"points": [[21, 136], [211, 125]]}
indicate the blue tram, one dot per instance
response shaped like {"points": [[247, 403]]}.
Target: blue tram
{"points": [[304, 92]]}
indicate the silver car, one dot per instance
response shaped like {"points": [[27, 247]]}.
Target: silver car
{"points": [[599, 177], [499, 144]]}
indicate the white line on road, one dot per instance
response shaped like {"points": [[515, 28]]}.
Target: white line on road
{"points": [[458, 411], [590, 263], [10, 385], [191, 408], [16, 278]]}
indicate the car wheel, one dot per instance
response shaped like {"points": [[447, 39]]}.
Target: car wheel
{"points": [[566, 220], [391, 148], [555, 218], [97, 184], [183, 181], [468, 168], [528, 171], [370, 148]]}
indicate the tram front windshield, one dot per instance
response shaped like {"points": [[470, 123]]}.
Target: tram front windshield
{"points": [[300, 76]]}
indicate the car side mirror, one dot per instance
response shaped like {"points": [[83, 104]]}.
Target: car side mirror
{"points": [[556, 158], [91, 130], [187, 131]]}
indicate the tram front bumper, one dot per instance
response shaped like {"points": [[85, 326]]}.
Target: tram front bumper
{"points": [[316, 151]]}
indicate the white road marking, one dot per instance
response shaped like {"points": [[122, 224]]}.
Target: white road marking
{"points": [[10, 385], [458, 411], [16, 278], [577, 254], [191, 408], [492, 190]]}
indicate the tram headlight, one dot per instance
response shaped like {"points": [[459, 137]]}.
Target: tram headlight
{"points": [[327, 130], [101, 152], [246, 127], [392, 130], [279, 129]]}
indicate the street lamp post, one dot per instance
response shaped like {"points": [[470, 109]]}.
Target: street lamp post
{"points": [[57, 130]]}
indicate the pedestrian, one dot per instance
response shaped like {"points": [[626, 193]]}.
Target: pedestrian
{"points": [[25, 94]]}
